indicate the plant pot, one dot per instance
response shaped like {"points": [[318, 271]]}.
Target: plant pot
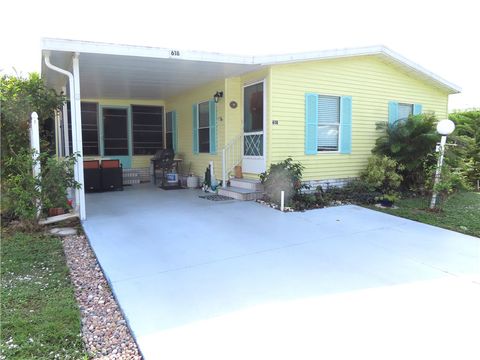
{"points": [[56, 211]]}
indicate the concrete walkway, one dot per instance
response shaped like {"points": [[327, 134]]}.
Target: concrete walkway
{"points": [[199, 279]]}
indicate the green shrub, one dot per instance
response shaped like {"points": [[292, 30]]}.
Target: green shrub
{"points": [[57, 177], [409, 142], [284, 176], [467, 138], [21, 190], [381, 174], [356, 191]]}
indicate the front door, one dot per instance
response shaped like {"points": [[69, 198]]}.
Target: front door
{"points": [[254, 157]]}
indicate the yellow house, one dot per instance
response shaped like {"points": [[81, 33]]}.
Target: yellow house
{"points": [[319, 108]]}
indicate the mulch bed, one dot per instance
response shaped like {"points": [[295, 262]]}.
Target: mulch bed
{"points": [[104, 329]]}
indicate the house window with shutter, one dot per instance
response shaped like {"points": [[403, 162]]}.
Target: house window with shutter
{"points": [[404, 111], [203, 127], [328, 123]]}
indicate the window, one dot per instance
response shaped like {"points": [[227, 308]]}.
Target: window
{"points": [[203, 127], [169, 131], [328, 123], [115, 131], [89, 114], [147, 126], [404, 111]]}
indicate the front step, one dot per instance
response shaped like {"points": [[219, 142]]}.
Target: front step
{"points": [[239, 193], [254, 185]]}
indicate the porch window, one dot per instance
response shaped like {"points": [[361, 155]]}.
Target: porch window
{"points": [[328, 123], [170, 130], [89, 113], [147, 124], [203, 127], [115, 131]]}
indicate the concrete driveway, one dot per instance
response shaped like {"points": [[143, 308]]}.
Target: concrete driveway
{"points": [[199, 279]]}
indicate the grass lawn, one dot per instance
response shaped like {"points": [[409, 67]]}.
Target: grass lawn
{"points": [[40, 318], [460, 212]]}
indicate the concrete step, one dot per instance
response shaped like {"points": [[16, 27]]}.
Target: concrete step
{"points": [[249, 184], [240, 193]]}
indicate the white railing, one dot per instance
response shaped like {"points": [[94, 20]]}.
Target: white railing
{"points": [[232, 155]]}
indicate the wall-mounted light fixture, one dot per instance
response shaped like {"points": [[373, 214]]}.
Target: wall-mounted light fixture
{"points": [[217, 96]]}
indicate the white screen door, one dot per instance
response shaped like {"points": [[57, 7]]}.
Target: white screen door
{"points": [[254, 128]]}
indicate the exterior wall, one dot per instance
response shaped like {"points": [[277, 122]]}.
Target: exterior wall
{"points": [[234, 117], [229, 121], [370, 82], [182, 104]]}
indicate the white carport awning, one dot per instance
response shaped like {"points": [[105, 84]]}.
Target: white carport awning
{"points": [[112, 71]]}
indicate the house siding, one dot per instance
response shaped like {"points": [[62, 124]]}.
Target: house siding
{"points": [[371, 83], [182, 104]]}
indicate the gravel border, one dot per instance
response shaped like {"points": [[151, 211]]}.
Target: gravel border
{"points": [[104, 329]]}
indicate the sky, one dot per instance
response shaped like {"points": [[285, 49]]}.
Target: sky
{"points": [[442, 36]]}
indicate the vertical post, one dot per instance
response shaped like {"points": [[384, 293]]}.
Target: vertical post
{"points": [[438, 171], [35, 146], [66, 149], [224, 169], [78, 144], [282, 200]]}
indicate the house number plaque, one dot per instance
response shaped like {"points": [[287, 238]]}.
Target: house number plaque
{"points": [[175, 53]]}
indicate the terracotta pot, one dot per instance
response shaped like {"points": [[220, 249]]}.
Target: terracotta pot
{"points": [[56, 211]]}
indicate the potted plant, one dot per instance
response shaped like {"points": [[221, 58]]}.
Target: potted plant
{"points": [[57, 177], [387, 200]]}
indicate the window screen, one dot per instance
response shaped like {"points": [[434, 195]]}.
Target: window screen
{"points": [[147, 126], [89, 114], [203, 128], [328, 122], [404, 111], [115, 131]]}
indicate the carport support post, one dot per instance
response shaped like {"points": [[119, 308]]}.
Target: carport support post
{"points": [[282, 200], [77, 145]]}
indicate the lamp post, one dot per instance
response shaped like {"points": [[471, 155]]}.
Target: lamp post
{"points": [[444, 128]]}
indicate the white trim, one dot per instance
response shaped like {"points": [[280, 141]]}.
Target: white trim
{"points": [[141, 51]]}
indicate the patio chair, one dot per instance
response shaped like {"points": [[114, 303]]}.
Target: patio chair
{"points": [[92, 176], [112, 175], [163, 161]]}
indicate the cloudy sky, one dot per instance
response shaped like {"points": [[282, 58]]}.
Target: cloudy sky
{"points": [[442, 36]]}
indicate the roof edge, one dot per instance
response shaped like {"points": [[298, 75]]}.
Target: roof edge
{"points": [[166, 53], [104, 48], [352, 52]]}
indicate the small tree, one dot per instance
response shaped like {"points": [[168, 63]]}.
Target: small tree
{"points": [[409, 142]]}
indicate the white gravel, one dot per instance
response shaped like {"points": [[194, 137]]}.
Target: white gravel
{"points": [[104, 329]]}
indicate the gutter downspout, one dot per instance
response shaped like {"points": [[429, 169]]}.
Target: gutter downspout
{"points": [[74, 122]]}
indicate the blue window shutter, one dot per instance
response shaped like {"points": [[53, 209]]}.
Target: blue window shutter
{"points": [[346, 124], [311, 123], [417, 109], [212, 123], [195, 128], [174, 131], [392, 112]]}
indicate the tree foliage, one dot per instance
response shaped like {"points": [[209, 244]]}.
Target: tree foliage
{"points": [[19, 97], [467, 138], [409, 142]]}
